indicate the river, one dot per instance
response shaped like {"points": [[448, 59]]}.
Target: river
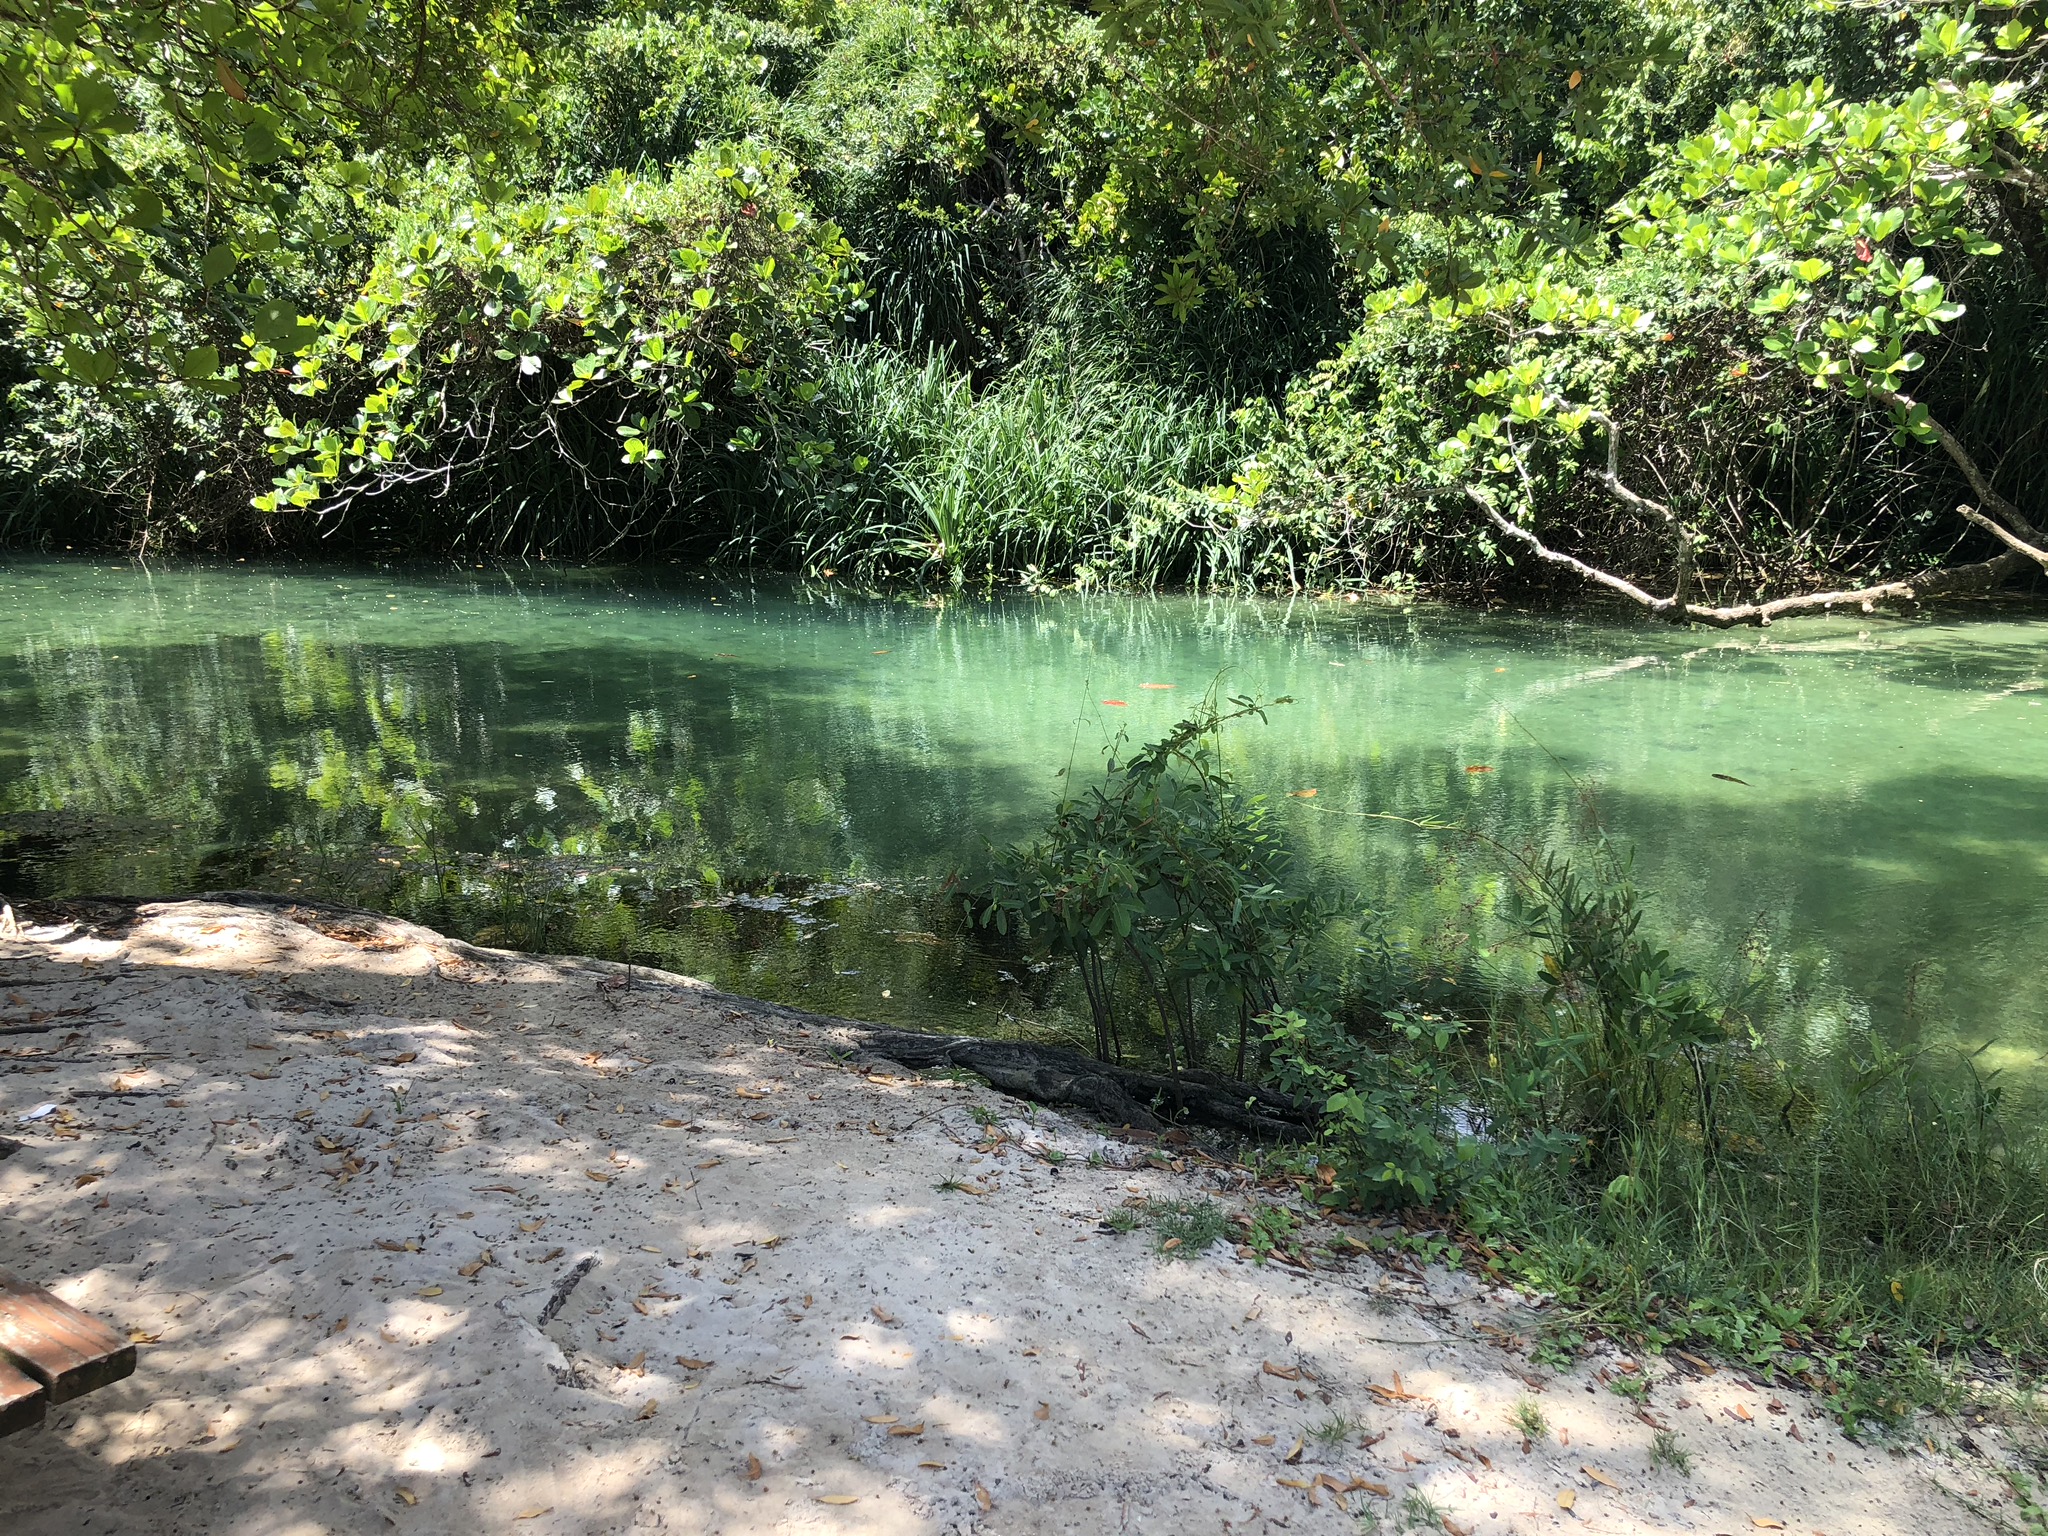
{"points": [[763, 783]]}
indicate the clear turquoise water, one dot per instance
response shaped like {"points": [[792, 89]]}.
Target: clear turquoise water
{"points": [[585, 761]]}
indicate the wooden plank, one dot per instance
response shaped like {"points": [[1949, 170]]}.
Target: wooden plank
{"points": [[21, 1400], [60, 1346]]}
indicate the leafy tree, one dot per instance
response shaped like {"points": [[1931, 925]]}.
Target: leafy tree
{"points": [[147, 149], [650, 313]]}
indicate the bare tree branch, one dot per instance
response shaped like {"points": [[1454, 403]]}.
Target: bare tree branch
{"points": [[1979, 577], [1682, 587], [1979, 481], [1660, 606], [2032, 553]]}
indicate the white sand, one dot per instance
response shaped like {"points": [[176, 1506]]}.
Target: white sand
{"points": [[322, 1354]]}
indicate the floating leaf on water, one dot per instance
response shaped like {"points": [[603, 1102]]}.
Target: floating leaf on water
{"points": [[1480, 768], [1729, 778], [1301, 794], [1116, 703], [1156, 685]]}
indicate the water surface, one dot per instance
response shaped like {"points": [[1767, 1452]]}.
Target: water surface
{"points": [[603, 764]]}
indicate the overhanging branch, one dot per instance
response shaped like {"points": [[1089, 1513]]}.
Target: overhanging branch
{"points": [[1981, 576], [2017, 543], [1980, 482]]}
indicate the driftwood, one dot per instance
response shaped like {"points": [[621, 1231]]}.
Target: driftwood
{"points": [[1062, 1078]]}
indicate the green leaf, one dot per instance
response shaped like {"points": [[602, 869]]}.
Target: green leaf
{"points": [[218, 264], [145, 209]]}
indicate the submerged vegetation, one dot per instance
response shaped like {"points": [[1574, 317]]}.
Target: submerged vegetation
{"points": [[1706, 305]]}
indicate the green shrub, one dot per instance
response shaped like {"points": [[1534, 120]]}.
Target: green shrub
{"points": [[647, 92], [1388, 1110], [1166, 881], [566, 361]]}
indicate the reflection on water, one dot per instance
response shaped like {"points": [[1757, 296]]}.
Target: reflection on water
{"points": [[764, 785]]}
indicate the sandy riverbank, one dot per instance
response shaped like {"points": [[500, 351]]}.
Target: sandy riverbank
{"points": [[334, 1170]]}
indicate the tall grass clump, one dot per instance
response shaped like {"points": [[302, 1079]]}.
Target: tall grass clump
{"points": [[1056, 472], [1856, 1214]]}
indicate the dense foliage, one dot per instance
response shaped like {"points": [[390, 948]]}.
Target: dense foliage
{"points": [[1721, 301], [1624, 1135]]}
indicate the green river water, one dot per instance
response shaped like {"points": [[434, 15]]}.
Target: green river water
{"points": [[763, 784]]}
